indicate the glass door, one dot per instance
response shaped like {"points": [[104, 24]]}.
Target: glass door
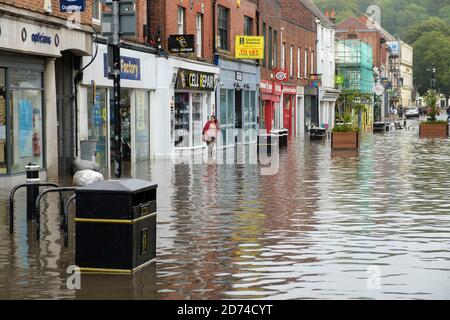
{"points": [[182, 119]]}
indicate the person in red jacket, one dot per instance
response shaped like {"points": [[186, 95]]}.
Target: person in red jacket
{"points": [[210, 132]]}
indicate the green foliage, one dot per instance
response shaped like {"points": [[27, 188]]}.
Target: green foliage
{"points": [[424, 24], [345, 124], [431, 102]]}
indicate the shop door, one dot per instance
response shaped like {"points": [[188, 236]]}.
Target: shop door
{"points": [[65, 115], [287, 114], [238, 109], [314, 111], [125, 118], [268, 114]]}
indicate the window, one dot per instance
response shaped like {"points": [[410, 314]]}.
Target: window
{"points": [[299, 63], [322, 39], [96, 9], [248, 26], [291, 61], [224, 15], [199, 34], [270, 48], [98, 126], [265, 44], [312, 62], [180, 20], [275, 49], [306, 64], [283, 56]]}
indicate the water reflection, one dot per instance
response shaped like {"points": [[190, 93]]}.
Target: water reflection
{"points": [[314, 230]]}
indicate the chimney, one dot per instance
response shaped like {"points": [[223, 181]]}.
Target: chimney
{"points": [[326, 13], [333, 16]]}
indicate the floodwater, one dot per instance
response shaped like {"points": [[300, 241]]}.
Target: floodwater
{"points": [[373, 225]]}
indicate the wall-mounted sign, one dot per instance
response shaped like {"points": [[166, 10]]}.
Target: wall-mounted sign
{"points": [[249, 47], [239, 76], [183, 43], [315, 80], [266, 86], [130, 68], [292, 90], [394, 48], [280, 75], [71, 5], [194, 80]]}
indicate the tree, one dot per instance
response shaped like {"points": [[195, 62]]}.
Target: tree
{"points": [[432, 48], [429, 25]]}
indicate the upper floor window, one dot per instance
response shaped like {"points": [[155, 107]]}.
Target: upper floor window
{"points": [[291, 62], [275, 49], [283, 56], [96, 11], [199, 34], [270, 47], [180, 20], [223, 27], [248, 26], [299, 61]]}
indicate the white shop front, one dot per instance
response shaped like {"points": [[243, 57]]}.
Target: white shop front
{"points": [[96, 114]]}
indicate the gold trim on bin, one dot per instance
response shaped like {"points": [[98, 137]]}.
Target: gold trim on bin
{"points": [[117, 271], [115, 221]]}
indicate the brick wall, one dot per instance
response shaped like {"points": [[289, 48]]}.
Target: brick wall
{"points": [[164, 14], [299, 32]]}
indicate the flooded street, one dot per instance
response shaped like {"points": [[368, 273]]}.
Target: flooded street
{"points": [[325, 226]]}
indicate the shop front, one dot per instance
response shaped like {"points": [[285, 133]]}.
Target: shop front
{"points": [[311, 108], [289, 108], [237, 94], [28, 97], [270, 105], [96, 111], [300, 113], [327, 105]]}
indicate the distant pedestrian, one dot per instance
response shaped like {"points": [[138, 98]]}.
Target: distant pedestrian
{"points": [[210, 133]]}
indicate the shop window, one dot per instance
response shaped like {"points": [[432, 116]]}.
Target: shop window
{"points": [[3, 146], [98, 125], [182, 116], [142, 125], [197, 119], [26, 125], [223, 115]]}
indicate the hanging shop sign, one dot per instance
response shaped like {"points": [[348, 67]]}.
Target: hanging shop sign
{"points": [[183, 43], [130, 68], [71, 5], [277, 89], [340, 79], [249, 47], [194, 80], [280, 75]]}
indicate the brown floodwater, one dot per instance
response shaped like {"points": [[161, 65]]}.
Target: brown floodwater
{"points": [[325, 226]]}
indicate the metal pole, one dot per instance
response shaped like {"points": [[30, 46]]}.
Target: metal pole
{"points": [[32, 190], [116, 72]]}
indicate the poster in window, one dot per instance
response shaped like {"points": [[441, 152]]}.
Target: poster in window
{"points": [[25, 129]]}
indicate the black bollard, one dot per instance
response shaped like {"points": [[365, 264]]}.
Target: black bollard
{"points": [[32, 191]]}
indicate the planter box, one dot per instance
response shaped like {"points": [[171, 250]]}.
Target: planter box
{"points": [[345, 140], [433, 130]]}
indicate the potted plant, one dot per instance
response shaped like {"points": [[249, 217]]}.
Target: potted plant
{"points": [[345, 134], [433, 128]]}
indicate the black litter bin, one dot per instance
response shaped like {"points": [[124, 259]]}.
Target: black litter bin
{"points": [[115, 226]]}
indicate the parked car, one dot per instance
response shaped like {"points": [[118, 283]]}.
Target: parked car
{"points": [[412, 113]]}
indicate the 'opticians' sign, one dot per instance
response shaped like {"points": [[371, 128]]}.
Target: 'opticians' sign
{"points": [[130, 68], [71, 5], [194, 80]]}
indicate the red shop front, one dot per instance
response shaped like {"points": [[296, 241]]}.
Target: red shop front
{"points": [[289, 109], [270, 98]]}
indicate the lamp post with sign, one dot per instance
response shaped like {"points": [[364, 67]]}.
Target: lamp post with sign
{"points": [[121, 21]]}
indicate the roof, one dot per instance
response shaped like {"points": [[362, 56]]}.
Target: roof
{"points": [[373, 24], [351, 23], [318, 13]]}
